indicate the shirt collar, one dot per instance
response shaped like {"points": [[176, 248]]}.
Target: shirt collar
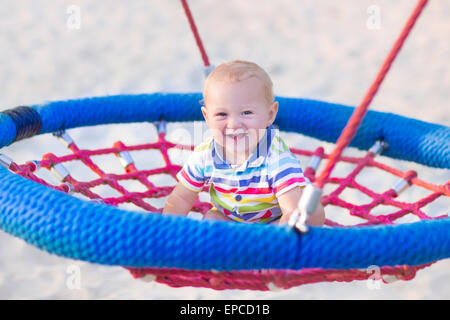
{"points": [[256, 159]]}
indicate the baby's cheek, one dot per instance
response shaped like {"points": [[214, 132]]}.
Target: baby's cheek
{"points": [[216, 133], [256, 134]]}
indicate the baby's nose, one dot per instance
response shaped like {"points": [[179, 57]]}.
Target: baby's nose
{"points": [[233, 123]]}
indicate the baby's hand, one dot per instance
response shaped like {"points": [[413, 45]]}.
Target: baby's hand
{"points": [[288, 202], [215, 214], [180, 201]]}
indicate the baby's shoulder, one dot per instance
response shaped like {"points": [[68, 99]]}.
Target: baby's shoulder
{"points": [[280, 152], [204, 146], [278, 147]]}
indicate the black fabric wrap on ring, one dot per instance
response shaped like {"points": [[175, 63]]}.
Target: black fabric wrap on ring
{"points": [[27, 121]]}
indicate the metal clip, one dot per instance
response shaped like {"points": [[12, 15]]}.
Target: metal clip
{"points": [[60, 171], [98, 200], [125, 158], [306, 206], [35, 163], [389, 278], [148, 278], [5, 161], [63, 137], [404, 182], [195, 216], [70, 188], [400, 186], [314, 162], [378, 147], [161, 127], [273, 287]]}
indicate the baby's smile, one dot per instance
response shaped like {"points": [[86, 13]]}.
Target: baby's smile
{"points": [[236, 134], [238, 139]]}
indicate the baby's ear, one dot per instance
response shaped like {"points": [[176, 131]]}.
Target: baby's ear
{"points": [[204, 111], [273, 112]]}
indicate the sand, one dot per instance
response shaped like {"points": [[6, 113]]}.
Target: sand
{"points": [[323, 50]]}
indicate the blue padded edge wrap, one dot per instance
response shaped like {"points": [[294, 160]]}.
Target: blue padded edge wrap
{"points": [[70, 227]]}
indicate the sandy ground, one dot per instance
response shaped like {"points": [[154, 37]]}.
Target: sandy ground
{"points": [[323, 50]]}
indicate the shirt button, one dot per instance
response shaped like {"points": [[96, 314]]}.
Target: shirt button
{"points": [[238, 197]]}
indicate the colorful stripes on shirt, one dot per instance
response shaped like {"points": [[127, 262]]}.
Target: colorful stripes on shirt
{"points": [[249, 192]]}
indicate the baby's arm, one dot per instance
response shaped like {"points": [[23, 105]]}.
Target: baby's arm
{"points": [[288, 201], [180, 200]]}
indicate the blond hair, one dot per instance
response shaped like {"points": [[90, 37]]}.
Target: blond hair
{"points": [[238, 70]]}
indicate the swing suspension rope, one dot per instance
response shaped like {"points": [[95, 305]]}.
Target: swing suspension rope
{"points": [[196, 34], [354, 122], [263, 279]]}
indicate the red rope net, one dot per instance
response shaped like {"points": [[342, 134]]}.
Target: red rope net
{"points": [[258, 279]]}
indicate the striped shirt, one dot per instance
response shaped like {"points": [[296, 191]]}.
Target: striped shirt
{"points": [[246, 192]]}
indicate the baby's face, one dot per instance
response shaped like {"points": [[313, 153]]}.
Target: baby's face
{"points": [[237, 115]]}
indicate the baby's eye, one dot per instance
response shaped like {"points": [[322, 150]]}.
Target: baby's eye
{"points": [[221, 114], [247, 112]]}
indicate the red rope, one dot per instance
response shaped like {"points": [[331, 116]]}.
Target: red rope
{"points": [[104, 182], [257, 279], [359, 113], [195, 32]]}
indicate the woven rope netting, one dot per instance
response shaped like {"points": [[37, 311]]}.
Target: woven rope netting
{"points": [[342, 209], [258, 279]]}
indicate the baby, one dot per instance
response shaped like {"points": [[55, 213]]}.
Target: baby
{"points": [[252, 175]]}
